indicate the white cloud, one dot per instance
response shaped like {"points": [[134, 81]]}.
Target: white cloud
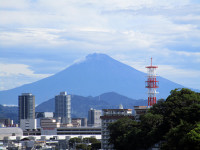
{"points": [[33, 37], [13, 75], [174, 73], [14, 69], [12, 4], [166, 30], [187, 77]]}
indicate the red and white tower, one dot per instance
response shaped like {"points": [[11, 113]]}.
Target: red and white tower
{"points": [[151, 84]]}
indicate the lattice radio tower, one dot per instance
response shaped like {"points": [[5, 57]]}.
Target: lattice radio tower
{"points": [[151, 84]]}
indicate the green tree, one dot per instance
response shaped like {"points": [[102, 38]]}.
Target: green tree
{"points": [[120, 132], [81, 147], [90, 140], [150, 127], [74, 141], [96, 146], [176, 138], [194, 137], [174, 122]]}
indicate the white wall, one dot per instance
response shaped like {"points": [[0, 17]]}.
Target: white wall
{"points": [[28, 124]]}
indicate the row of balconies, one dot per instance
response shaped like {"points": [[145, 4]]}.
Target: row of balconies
{"points": [[104, 129], [108, 120], [105, 133], [105, 137]]}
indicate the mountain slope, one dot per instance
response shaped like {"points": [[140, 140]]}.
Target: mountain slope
{"points": [[9, 112], [97, 74]]}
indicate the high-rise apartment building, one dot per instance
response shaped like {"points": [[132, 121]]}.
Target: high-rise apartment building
{"points": [[26, 106], [26, 111], [94, 117], [63, 107]]}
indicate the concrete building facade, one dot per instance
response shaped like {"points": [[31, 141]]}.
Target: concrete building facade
{"points": [[49, 126], [63, 107], [28, 124], [140, 110], [41, 115], [26, 106], [10, 131], [94, 117]]}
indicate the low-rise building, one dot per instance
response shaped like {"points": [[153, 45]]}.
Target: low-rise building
{"points": [[33, 132], [41, 115], [79, 131], [139, 110], [49, 126], [10, 131], [28, 124], [41, 142], [76, 122], [83, 121]]}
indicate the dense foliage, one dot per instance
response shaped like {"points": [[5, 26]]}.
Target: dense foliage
{"points": [[172, 124], [89, 143]]}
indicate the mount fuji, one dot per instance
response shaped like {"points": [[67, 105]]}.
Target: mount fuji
{"points": [[97, 74]]}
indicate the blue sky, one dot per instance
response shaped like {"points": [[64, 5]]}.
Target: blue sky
{"points": [[39, 38]]}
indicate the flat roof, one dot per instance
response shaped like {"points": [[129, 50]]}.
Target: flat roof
{"points": [[140, 107], [115, 117]]}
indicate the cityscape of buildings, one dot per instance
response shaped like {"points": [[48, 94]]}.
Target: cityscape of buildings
{"points": [[50, 130], [54, 128]]}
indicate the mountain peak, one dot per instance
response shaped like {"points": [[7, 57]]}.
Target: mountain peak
{"points": [[97, 73], [97, 56]]}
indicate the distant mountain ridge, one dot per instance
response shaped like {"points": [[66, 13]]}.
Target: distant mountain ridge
{"points": [[97, 74], [79, 105], [9, 112]]}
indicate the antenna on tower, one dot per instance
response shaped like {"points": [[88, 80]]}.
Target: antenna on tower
{"points": [[151, 84]]}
